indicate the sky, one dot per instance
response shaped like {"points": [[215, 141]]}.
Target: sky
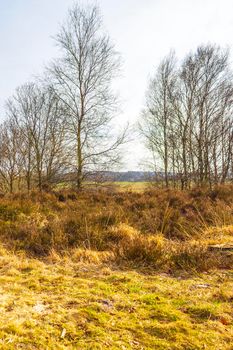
{"points": [[143, 31]]}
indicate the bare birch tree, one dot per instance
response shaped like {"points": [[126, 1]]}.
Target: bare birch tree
{"points": [[82, 79], [157, 116]]}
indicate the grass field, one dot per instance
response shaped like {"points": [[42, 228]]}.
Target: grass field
{"points": [[121, 186], [116, 270], [64, 305], [131, 186]]}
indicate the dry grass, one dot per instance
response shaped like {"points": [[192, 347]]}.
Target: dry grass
{"points": [[77, 303], [116, 270], [162, 229]]}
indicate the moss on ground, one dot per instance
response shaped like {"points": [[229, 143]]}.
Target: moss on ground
{"points": [[65, 305]]}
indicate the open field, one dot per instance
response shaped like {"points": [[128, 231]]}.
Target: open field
{"points": [[87, 261], [63, 304], [117, 270], [132, 186], [121, 186]]}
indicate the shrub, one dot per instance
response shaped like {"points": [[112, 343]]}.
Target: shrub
{"points": [[118, 233], [193, 255], [158, 228], [136, 248]]}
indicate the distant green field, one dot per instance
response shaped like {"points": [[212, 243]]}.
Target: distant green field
{"points": [[121, 186], [132, 186]]}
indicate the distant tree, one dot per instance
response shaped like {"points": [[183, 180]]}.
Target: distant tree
{"points": [[10, 157], [207, 91], [38, 114], [188, 119]]}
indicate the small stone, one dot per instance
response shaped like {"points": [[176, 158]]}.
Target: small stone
{"points": [[39, 308], [63, 333]]}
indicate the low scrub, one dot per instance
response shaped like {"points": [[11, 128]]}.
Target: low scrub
{"points": [[161, 229]]}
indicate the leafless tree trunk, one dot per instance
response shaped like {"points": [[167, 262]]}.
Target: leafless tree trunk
{"points": [[157, 116], [10, 157], [82, 80]]}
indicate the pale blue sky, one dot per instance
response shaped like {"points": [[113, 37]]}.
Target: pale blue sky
{"points": [[143, 31]]}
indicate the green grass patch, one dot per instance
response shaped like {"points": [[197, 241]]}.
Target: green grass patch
{"points": [[66, 305]]}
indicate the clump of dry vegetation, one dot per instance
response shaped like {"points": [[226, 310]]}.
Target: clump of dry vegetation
{"points": [[161, 229], [116, 270]]}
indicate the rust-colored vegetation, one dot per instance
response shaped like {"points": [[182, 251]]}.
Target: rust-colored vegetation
{"points": [[159, 229]]}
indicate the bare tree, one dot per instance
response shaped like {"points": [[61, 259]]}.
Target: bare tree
{"points": [[39, 117], [157, 116], [208, 100], [82, 79], [10, 157], [188, 117]]}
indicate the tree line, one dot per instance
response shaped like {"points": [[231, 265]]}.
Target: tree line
{"points": [[187, 122], [62, 124]]}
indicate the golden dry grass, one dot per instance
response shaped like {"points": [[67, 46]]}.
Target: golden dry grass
{"points": [[158, 228], [116, 270], [77, 303]]}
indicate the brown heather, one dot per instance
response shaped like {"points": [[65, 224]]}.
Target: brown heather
{"points": [[160, 229]]}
